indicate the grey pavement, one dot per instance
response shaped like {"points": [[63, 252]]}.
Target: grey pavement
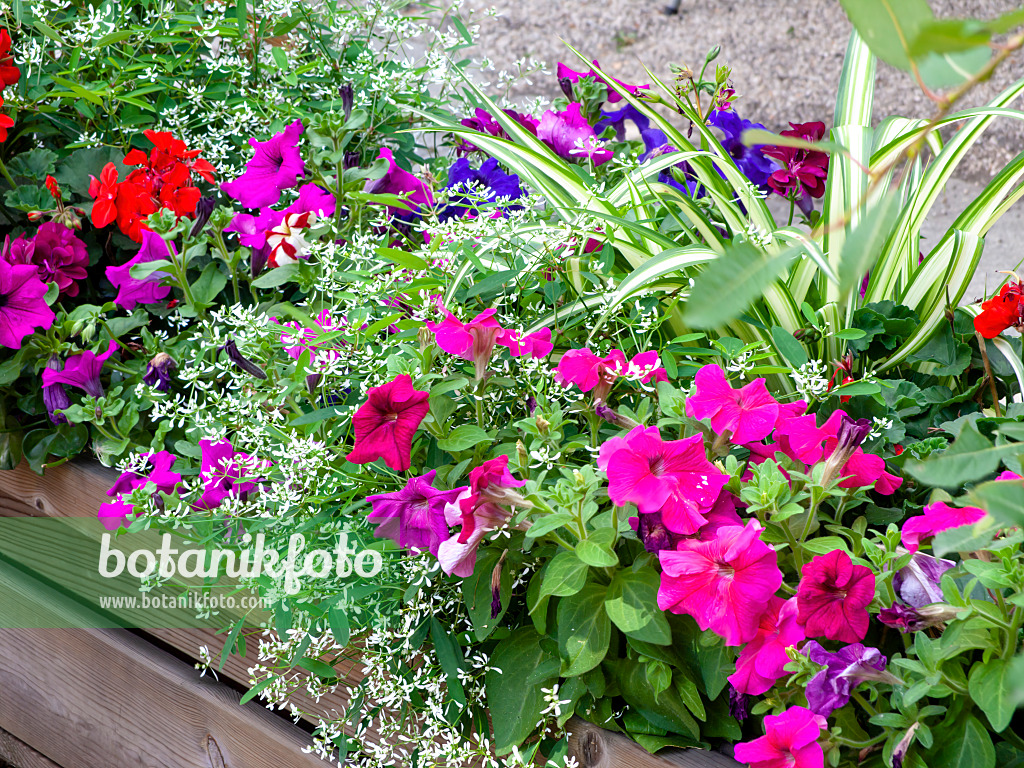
{"points": [[786, 58]]}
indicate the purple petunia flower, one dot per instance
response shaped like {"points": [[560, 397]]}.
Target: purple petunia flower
{"points": [[917, 584], [570, 135], [148, 290], [414, 516], [22, 304], [564, 73], [484, 122], [830, 689], [120, 512], [617, 120], [82, 371], [488, 181], [226, 472], [751, 161], [399, 182], [276, 166], [56, 252], [158, 372]]}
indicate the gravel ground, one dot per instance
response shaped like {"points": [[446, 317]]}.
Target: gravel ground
{"points": [[786, 58]]}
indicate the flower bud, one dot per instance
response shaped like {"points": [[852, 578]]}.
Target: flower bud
{"points": [[566, 85], [241, 361], [345, 92], [35, 216], [542, 425], [522, 455]]}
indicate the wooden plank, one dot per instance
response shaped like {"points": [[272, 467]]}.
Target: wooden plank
{"points": [[74, 489], [17, 754], [594, 747]]}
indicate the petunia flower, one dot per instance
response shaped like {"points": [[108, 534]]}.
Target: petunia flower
{"points": [[287, 240], [791, 741], [536, 345], [226, 472], [56, 252], [398, 181], [483, 122], [132, 291], [386, 422], [747, 414], [414, 516], [673, 477], [82, 371], [936, 518], [833, 597], [473, 340], [570, 136], [22, 304], [751, 161], [564, 73], [762, 661], [55, 396], [158, 372], [488, 182], [725, 584], [276, 166], [588, 371], [918, 582], [652, 532], [844, 670], [617, 120], [122, 512], [907, 619]]}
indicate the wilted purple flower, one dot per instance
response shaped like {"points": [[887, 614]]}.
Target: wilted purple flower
{"points": [[751, 161], [918, 582], [605, 412], [276, 166], [56, 252], [570, 136], [55, 397], [414, 516], [82, 371], [739, 704], [132, 290], [900, 750], [907, 619], [830, 689], [158, 372], [346, 94], [241, 361], [652, 532], [488, 181], [850, 434]]}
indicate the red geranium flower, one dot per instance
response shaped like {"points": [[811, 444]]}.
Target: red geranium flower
{"points": [[804, 170], [9, 74], [1002, 311], [104, 191]]}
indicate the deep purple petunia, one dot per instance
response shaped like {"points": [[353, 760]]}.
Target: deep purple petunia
{"points": [[617, 120], [751, 161], [82, 371], [148, 290], [399, 182], [276, 166], [226, 472], [483, 122], [487, 181], [570, 136], [56, 252], [830, 689], [158, 372], [22, 306], [414, 516]]}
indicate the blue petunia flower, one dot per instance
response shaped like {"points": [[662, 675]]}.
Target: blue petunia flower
{"points": [[750, 160], [488, 181]]}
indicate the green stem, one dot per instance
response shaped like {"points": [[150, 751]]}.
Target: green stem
{"points": [[6, 175], [864, 703]]}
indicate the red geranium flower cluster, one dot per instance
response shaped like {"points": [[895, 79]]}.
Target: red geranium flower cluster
{"points": [[803, 171], [163, 179], [9, 75], [1005, 310]]}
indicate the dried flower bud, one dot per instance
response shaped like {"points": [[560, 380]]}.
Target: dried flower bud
{"points": [[566, 85], [542, 424], [345, 92], [522, 455], [243, 362]]}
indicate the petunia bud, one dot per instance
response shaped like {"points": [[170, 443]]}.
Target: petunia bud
{"points": [[204, 208], [542, 424], [55, 397], [346, 94], [900, 750], [739, 704], [241, 361], [158, 372], [312, 382], [531, 405], [259, 258], [849, 437], [566, 85]]}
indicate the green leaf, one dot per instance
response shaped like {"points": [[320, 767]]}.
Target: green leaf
{"points": [[949, 36], [946, 70], [210, 283], [547, 523], [317, 667], [669, 706], [952, 356], [889, 26], [564, 575], [450, 655], [478, 596], [758, 137], [515, 704], [732, 282], [462, 437], [584, 630], [632, 598], [866, 243], [790, 348], [337, 618], [968, 538], [596, 549], [277, 276], [970, 458], [256, 689], [402, 258], [969, 745]]}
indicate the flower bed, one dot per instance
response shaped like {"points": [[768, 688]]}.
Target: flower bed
{"points": [[568, 422]]}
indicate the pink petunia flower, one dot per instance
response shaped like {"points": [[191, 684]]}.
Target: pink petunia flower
{"points": [[747, 414], [82, 371], [791, 741], [386, 422], [276, 165], [298, 339], [673, 477], [564, 73], [226, 472], [587, 371], [725, 583], [936, 518], [833, 597], [570, 136], [56, 252], [398, 181], [414, 516], [537, 344], [474, 340], [22, 306], [132, 291], [121, 512], [762, 660]]}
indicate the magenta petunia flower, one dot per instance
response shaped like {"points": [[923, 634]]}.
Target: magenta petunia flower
{"points": [[414, 516], [386, 422], [55, 396], [570, 136], [673, 477], [22, 306], [588, 371], [132, 291], [722, 514], [844, 670], [82, 371], [833, 597], [747, 414], [564, 73], [56, 252], [226, 472], [120, 512], [724, 583], [537, 344], [762, 660], [473, 340], [313, 199], [276, 166], [936, 518], [791, 741], [298, 339], [400, 182]]}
